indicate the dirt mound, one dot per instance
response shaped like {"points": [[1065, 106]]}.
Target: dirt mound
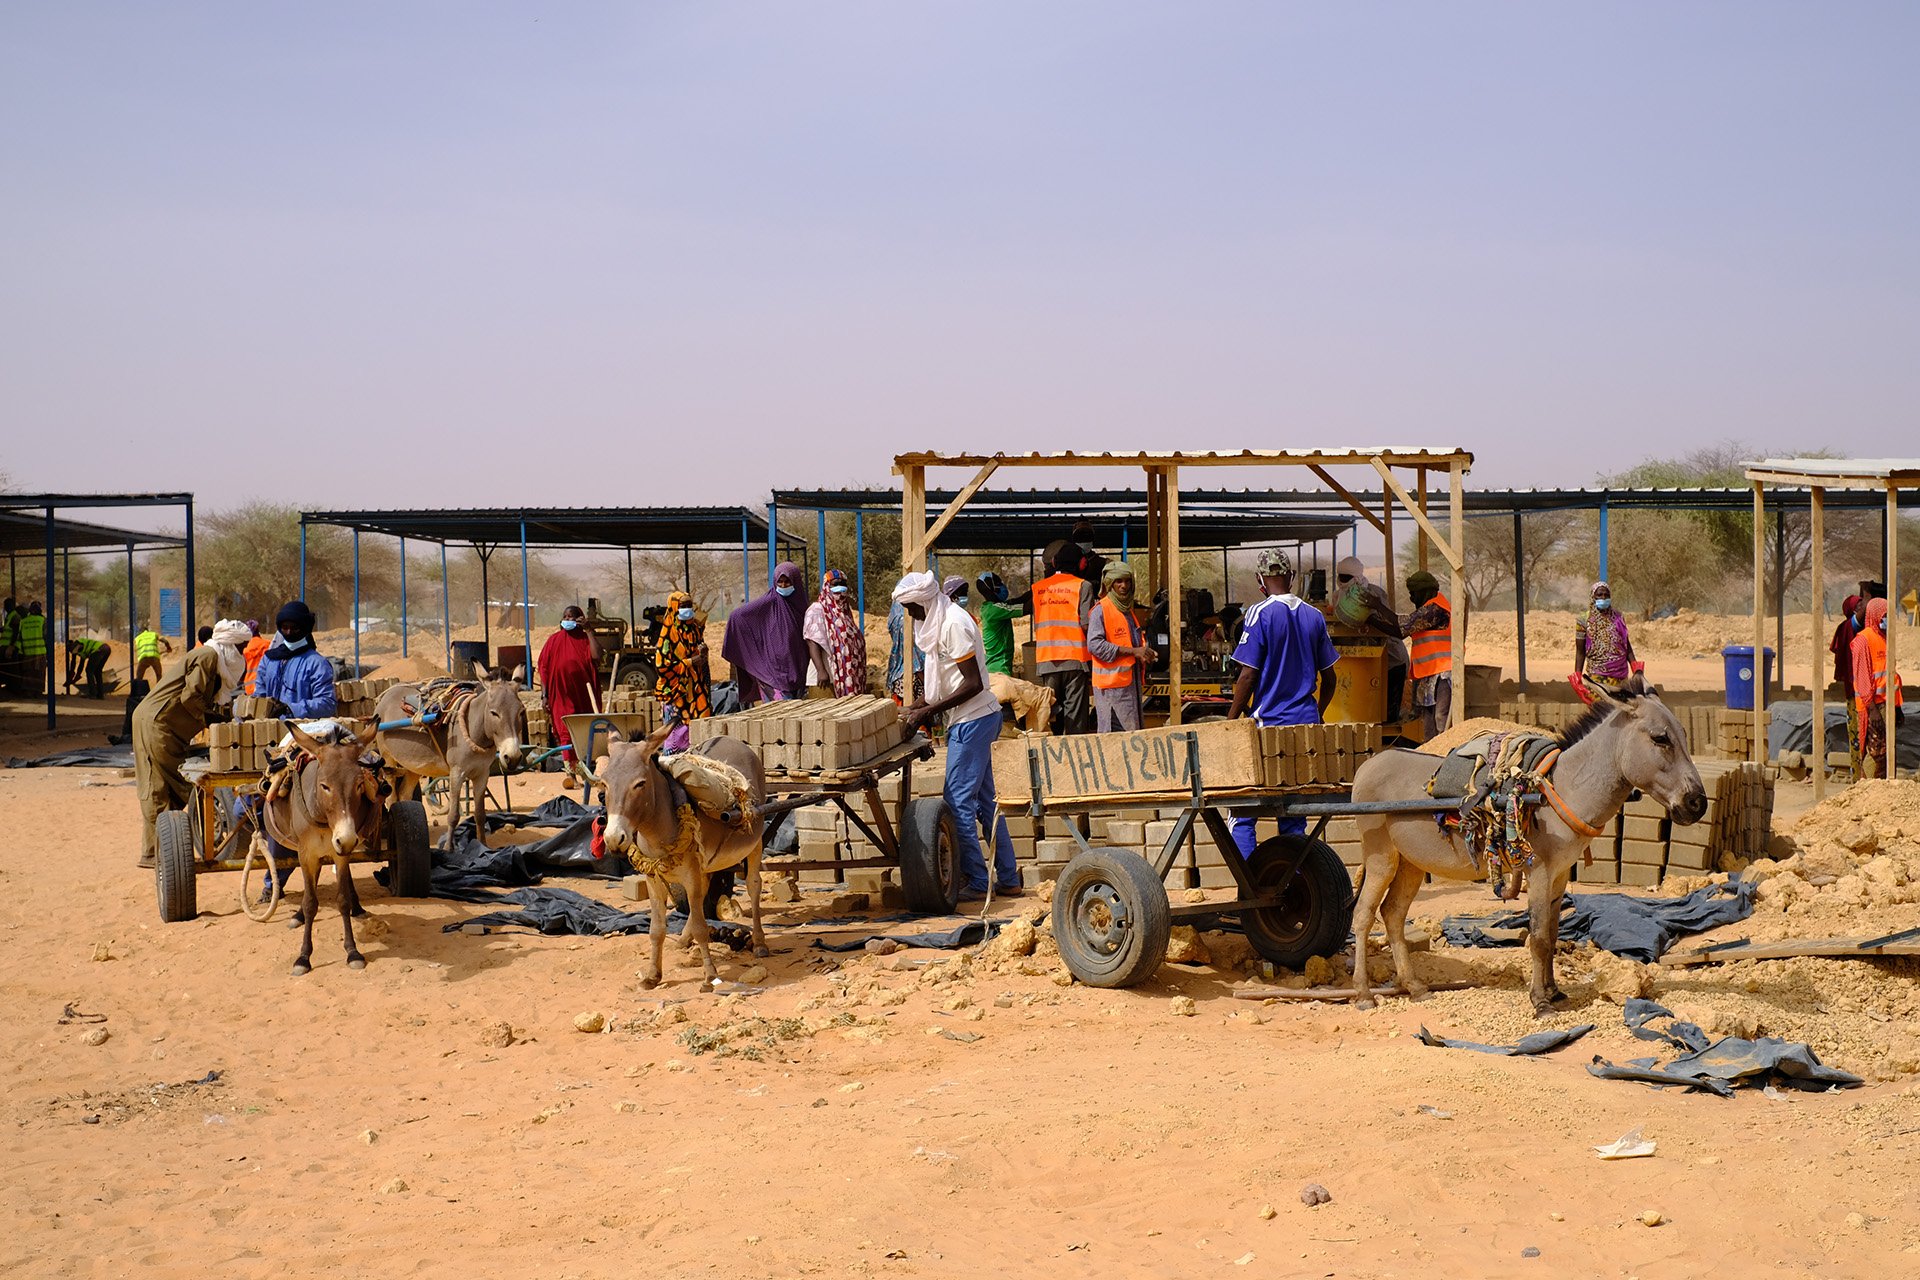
{"points": [[1467, 731], [410, 669]]}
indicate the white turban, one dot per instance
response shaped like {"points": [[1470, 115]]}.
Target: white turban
{"points": [[1350, 567], [924, 590], [229, 638]]}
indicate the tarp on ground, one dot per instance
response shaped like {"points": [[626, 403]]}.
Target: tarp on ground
{"points": [[1637, 928], [80, 758], [1790, 728]]}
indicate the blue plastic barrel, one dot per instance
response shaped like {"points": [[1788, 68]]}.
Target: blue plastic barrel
{"points": [[1739, 660]]}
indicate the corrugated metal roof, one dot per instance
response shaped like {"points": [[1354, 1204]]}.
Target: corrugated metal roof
{"points": [[643, 527], [1811, 472]]}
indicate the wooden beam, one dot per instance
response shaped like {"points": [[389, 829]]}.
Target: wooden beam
{"points": [[913, 518], [1171, 540], [953, 509], [1420, 492], [1457, 615], [1327, 479], [1408, 457], [1817, 520], [1446, 544], [1759, 747]]}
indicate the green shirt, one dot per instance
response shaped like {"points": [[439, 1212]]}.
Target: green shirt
{"points": [[996, 634]]}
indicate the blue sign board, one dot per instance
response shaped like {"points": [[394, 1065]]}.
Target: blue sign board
{"points": [[170, 605]]}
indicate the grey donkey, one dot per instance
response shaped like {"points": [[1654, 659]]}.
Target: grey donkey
{"points": [[462, 747]]}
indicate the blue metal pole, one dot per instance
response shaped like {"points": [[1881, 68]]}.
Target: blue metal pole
{"points": [[526, 605], [446, 613], [860, 561], [356, 604], [1123, 543], [823, 541], [303, 559], [403, 597], [773, 539], [1603, 538]]}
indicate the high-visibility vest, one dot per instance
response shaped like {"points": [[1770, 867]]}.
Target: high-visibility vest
{"points": [[1432, 651], [1057, 633], [33, 635], [89, 646], [1877, 655], [1117, 674], [146, 645]]}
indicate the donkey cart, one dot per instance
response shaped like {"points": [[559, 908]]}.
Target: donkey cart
{"points": [[1111, 913], [213, 833]]}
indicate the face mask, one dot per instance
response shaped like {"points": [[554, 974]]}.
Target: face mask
{"points": [[685, 615], [1882, 628], [961, 600], [293, 646], [839, 591], [1603, 603], [784, 591], [569, 624]]}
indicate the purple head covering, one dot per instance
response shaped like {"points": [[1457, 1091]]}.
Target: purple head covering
{"points": [[764, 637]]}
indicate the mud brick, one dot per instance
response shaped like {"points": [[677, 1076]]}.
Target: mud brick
{"points": [[1603, 871], [1126, 833], [1060, 851], [1043, 871], [868, 880], [1643, 853], [1686, 857], [1639, 875], [1641, 827]]}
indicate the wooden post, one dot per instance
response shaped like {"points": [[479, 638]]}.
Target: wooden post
{"points": [[913, 519], [1386, 532], [1154, 575], [1817, 519], [1457, 594], [1420, 495], [1893, 617], [1759, 623], [1170, 499]]}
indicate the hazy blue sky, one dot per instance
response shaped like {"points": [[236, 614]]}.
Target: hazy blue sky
{"points": [[424, 254]]}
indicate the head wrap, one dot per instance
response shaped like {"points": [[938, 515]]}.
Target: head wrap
{"points": [[831, 578], [1420, 580], [1115, 570], [1067, 559], [1273, 563], [229, 638], [253, 626], [1876, 612], [953, 586], [991, 588], [1350, 567], [764, 636], [1600, 586], [922, 589], [1849, 605], [295, 612]]}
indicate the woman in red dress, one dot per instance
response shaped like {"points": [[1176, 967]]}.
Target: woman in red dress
{"points": [[569, 679]]}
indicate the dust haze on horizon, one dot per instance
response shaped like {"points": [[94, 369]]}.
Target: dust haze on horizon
{"points": [[439, 254]]}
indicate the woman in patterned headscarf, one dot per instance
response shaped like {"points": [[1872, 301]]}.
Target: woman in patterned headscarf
{"points": [[1601, 648], [835, 641], [680, 658]]}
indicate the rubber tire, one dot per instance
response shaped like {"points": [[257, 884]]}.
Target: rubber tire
{"points": [[1124, 883], [173, 869], [929, 857], [638, 675], [410, 866], [719, 885], [1316, 910]]}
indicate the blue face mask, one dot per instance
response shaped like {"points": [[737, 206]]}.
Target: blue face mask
{"points": [[1603, 603], [294, 646], [685, 615], [961, 600], [838, 590], [784, 591], [569, 624]]}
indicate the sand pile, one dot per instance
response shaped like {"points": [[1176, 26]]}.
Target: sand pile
{"points": [[411, 669]]}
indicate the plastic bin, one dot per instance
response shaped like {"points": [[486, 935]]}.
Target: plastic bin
{"points": [[1359, 682], [465, 654], [1739, 660]]}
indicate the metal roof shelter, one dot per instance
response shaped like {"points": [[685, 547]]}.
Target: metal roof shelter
{"points": [[1879, 480], [48, 532], [487, 529], [1164, 500]]}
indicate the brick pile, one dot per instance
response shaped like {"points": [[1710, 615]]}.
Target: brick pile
{"points": [[815, 735]]}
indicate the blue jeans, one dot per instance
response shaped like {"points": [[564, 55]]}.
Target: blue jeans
{"points": [[970, 795]]}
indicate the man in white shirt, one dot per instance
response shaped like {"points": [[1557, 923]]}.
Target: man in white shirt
{"points": [[956, 675]]}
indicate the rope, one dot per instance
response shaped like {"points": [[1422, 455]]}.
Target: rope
{"points": [[1559, 804], [257, 847]]}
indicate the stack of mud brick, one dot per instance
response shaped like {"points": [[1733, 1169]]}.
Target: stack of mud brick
{"points": [[824, 834], [625, 700], [1641, 845], [813, 736], [1735, 729], [241, 745], [1316, 756], [539, 721], [1704, 725], [356, 699]]}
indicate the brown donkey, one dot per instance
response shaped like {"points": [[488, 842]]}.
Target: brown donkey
{"points": [[483, 721], [668, 840], [327, 806]]}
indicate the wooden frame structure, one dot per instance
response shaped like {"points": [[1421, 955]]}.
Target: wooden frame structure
{"points": [[1889, 475], [1163, 506]]}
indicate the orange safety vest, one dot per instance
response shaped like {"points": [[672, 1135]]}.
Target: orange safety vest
{"points": [[1433, 650], [1117, 674], [1057, 633], [1877, 656]]}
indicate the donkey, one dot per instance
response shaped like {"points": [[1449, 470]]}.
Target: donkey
{"points": [[490, 725], [1627, 740], [669, 841], [1032, 703], [329, 808]]}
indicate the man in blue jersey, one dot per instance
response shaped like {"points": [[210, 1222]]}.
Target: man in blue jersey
{"points": [[1286, 663]]}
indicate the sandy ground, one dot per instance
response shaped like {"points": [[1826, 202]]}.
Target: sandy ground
{"points": [[378, 1122]]}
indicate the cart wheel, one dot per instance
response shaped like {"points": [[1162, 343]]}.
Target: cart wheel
{"points": [[174, 866], [638, 676], [1316, 905], [411, 866], [928, 879], [719, 885], [1111, 918]]}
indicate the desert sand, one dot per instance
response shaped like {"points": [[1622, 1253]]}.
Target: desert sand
{"points": [[439, 1114]]}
